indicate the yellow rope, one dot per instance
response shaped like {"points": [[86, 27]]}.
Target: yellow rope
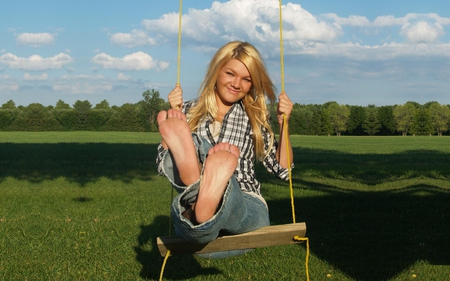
{"points": [[164, 265], [291, 189], [178, 84], [179, 42], [281, 49], [286, 139]]}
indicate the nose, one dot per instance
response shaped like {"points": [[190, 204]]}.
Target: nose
{"points": [[235, 82]]}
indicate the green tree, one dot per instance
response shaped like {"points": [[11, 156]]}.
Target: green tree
{"points": [[325, 120], [371, 124], [404, 117], [440, 116], [125, 118], [422, 122], [7, 116], [149, 108], [356, 120], [62, 105], [8, 112], [82, 110], [301, 120], [9, 105], [104, 104], [35, 117], [339, 115], [98, 118], [386, 117], [67, 118]]}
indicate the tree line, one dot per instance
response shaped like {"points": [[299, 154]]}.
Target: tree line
{"points": [[330, 118]]}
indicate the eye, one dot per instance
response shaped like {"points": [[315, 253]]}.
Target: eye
{"points": [[229, 73]]}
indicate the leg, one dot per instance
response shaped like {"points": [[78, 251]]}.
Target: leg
{"points": [[176, 136], [239, 212], [219, 167]]}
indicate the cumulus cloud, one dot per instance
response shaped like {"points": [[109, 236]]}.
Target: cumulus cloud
{"points": [[35, 39], [134, 39], [422, 32], [35, 62], [303, 32], [134, 61], [254, 21], [42, 77]]}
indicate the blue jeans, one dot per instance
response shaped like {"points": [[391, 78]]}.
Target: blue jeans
{"points": [[239, 211]]}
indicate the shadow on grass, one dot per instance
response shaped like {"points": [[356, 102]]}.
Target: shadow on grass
{"points": [[373, 169], [369, 235], [87, 162], [78, 162], [373, 235], [177, 267]]}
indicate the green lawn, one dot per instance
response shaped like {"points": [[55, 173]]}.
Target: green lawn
{"points": [[89, 206]]}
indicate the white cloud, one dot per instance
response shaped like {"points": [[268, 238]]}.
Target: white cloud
{"points": [[35, 39], [163, 65], [304, 33], [422, 32], [389, 20], [41, 77], [35, 62], [351, 20], [134, 39], [254, 21], [123, 77], [134, 61]]}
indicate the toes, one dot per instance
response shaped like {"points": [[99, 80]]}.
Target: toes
{"points": [[174, 113], [223, 146], [234, 150], [161, 117]]}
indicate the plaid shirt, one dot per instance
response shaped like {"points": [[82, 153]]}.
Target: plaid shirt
{"points": [[236, 130]]}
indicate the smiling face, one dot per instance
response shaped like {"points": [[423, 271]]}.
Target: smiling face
{"points": [[233, 83]]}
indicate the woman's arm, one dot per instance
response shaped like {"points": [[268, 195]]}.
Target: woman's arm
{"points": [[284, 149]]}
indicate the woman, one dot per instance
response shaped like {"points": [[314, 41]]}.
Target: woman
{"points": [[210, 144]]}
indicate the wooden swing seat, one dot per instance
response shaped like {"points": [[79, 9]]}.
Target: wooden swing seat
{"points": [[274, 235]]}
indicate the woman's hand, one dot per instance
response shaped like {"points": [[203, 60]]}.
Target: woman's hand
{"points": [[176, 97], [285, 107]]}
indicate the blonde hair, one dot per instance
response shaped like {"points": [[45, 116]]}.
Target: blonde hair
{"points": [[255, 100]]}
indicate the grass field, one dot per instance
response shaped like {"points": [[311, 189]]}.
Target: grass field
{"points": [[89, 206]]}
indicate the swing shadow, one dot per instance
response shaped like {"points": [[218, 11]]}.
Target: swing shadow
{"points": [[366, 233], [151, 260]]}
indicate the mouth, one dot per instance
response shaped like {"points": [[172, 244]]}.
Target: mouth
{"points": [[233, 91]]}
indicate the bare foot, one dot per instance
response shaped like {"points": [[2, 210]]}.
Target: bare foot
{"points": [[219, 167], [177, 138]]}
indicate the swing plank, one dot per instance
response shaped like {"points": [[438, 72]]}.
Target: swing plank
{"points": [[274, 235]]}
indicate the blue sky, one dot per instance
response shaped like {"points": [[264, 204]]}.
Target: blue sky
{"points": [[349, 51]]}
